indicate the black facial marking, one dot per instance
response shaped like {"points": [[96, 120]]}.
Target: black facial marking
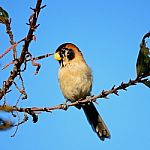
{"points": [[70, 54], [62, 52], [65, 52]]}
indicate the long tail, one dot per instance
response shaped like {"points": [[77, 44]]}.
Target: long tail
{"points": [[96, 121]]}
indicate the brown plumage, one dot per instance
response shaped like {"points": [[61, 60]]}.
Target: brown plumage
{"points": [[75, 79]]}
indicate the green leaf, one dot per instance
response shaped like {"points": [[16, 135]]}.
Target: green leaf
{"points": [[147, 83], [143, 61], [3, 16]]}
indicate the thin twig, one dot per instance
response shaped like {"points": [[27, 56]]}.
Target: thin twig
{"points": [[41, 57], [10, 34], [8, 50], [13, 46], [17, 126], [34, 58], [8, 64], [25, 119]]}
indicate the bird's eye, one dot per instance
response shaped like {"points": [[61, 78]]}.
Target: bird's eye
{"points": [[70, 54]]}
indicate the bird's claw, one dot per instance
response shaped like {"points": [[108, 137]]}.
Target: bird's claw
{"points": [[88, 98], [65, 105]]}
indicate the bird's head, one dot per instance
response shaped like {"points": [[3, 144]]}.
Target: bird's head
{"points": [[67, 52]]}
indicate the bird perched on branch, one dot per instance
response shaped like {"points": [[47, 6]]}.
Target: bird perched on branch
{"points": [[75, 79]]}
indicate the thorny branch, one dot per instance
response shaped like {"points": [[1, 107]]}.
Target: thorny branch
{"points": [[103, 94], [19, 61], [34, 111]]}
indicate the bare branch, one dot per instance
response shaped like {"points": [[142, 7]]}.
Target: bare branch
{"points": [[21, 59], [103, 94]]}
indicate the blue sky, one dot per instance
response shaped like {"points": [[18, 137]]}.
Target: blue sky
{"points": [[108, 34]]}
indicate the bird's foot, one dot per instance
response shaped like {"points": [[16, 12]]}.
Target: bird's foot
{"points": [[88, 98], [65, 105]]}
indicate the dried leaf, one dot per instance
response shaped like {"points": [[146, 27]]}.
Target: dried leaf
{"points": [[3, 16], [5, 124], [34, 118], [6, 108]]}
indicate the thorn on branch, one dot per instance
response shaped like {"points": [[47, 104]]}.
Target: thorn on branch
{"points": [[123, 86], [104, 94], [113, 87], [32, 8], [132, 82], [42, 6], [37, 25], [116, 92], [28, 24]]}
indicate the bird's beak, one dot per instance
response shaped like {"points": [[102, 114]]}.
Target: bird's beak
{"points": [[57, 56]]}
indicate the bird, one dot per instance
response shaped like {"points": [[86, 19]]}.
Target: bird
{"points": [[75, 80]]}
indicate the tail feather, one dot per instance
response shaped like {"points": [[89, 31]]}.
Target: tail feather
{"points": [[96, 121]]}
